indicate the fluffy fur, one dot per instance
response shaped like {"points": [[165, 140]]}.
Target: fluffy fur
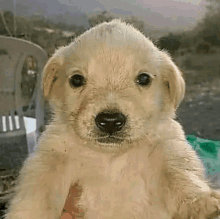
{"points": [[147, 170]]}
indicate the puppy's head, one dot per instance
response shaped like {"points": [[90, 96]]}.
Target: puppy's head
{"points": [[112, 86]]}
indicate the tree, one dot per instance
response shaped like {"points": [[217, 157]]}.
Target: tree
{"points": [[102, 17], [214, 6], [171, 43], [209, 27], [136, 23]]}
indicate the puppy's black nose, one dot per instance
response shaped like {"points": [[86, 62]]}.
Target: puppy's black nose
{"points": [[110, 122]]}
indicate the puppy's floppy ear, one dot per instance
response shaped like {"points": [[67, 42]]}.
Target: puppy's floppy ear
{"points": [[51, 70], [173, 81]]}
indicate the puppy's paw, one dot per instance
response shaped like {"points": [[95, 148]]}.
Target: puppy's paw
{"points": [[202, 207], [215, 196]]}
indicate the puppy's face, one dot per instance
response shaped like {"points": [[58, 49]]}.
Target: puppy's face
{"points": [[112, 86]]}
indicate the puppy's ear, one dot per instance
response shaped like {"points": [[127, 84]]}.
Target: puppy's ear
{"points": [[173, 81], [51, 69]]}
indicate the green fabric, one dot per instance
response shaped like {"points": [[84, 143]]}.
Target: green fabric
{"points": [[208, 151]]}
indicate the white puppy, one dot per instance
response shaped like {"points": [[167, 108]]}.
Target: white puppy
{"points": [[114, 96]]}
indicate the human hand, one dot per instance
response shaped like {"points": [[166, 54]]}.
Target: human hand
{"points": [[70, 210]]}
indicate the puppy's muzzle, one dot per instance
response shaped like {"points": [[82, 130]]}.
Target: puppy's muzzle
{"points": [[110, 122]]}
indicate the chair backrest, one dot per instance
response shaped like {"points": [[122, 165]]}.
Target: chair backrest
{"points": [[11, 122], [21, 66]]}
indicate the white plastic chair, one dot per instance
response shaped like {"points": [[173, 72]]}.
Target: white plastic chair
{"points": [[18, 131]]}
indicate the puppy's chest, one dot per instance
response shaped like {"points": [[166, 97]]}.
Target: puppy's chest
{"points": [[122, 187]]}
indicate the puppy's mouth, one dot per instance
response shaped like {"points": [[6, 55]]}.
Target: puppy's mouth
{"points": [[110, 139]]}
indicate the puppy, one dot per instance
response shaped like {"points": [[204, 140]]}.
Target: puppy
{"points": [[114, 96]]}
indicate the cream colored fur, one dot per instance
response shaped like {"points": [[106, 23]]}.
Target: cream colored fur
{"points": [[152, 174]]}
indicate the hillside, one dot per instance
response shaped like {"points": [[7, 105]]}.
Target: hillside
{"points": [[172, 15]]}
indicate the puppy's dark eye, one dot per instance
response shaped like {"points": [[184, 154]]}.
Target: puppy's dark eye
{"points": [[77, 80], [143, 79]]}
